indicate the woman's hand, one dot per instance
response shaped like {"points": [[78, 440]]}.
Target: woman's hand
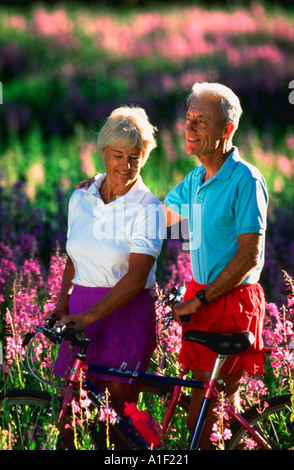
{"points": [[59, 312], [78, 321]]}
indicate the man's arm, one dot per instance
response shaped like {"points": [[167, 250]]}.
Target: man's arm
{"points": [[246, 259], [172, 217], [231, 276]]}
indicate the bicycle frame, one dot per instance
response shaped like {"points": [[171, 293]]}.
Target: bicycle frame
{"points": [[210, 392], [148, 379]]}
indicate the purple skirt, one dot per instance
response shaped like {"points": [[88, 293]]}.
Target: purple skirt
{"points": [[126, 338]]}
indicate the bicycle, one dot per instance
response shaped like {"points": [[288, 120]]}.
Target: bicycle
{"points": [[30, 412]]}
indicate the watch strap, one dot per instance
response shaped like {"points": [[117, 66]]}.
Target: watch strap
{"points": [[201, 296]]}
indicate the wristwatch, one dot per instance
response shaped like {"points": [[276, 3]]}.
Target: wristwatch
{"points": [[201, 296]]}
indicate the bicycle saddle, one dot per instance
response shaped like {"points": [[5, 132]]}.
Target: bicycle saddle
{"points": [[225, 344]]}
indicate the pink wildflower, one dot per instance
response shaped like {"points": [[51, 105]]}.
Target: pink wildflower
{"points": [[107, 413], [75, 406], [7, 268]]}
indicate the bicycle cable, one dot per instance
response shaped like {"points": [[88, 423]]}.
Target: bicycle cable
{"points": [[31, 369]]}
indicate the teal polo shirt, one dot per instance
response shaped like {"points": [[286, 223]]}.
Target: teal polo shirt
{"points": [[231, 203]]}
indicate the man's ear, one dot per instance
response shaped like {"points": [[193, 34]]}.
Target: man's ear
{"points": [[229, 128]]}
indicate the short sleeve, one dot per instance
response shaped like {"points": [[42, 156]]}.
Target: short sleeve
{"points": [[149, 230], [72, 210], [251, 206], [178, 199]]}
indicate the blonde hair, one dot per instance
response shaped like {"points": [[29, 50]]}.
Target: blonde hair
{"points": [[129, 128], [229, 102]]}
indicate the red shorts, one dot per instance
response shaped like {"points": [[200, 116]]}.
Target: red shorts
{"points": [[241, 309]]}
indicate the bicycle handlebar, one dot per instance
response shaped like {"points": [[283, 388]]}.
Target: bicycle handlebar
{"points": [[58, 334], [175, 295]]}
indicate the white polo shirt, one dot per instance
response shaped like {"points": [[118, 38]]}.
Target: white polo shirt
{"points": [[102, 236]]}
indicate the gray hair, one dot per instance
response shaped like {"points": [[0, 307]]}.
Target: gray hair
{"points": [[129, 128], [229, 102]]}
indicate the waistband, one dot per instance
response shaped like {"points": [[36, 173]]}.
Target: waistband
{"points": [[89, 289], [99, 290], [241, 286]]}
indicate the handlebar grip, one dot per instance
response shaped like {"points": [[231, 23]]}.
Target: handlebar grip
{"points": [[185, 318]]}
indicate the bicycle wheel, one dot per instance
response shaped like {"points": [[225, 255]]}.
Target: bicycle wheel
{"points": [[274, 418], [28, 421], [155, 400]]}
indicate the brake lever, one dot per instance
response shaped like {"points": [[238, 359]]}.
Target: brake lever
{"points": [[49, 323], [175, 296], [64, 326], [178, 294]]}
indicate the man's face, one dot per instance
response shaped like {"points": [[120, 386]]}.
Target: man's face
{"points": [[204, 126]]}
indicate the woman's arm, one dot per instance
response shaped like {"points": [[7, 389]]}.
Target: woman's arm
{"points": [[231, 276], [120, 295]]}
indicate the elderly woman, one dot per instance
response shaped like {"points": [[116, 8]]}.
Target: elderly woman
{"points": [[115, 234]]}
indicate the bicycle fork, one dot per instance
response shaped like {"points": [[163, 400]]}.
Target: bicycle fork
{"points": [[72, 380]]}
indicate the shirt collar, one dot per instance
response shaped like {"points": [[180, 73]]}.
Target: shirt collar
{"points": [[135, 194], [228, 166]]}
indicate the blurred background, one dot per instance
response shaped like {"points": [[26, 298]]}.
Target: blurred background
{"points": [[64, 66]]}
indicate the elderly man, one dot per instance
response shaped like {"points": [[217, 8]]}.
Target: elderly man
{"points": [[225, 200]]}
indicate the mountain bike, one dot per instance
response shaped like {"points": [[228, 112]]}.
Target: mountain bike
{"points": [[33, 416]]}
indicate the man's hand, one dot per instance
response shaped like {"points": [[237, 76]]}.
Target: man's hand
{"points": [[86, 183], [181, 309]]}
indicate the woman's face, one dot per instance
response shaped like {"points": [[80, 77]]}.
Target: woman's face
{"points": [[122, 166]]}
